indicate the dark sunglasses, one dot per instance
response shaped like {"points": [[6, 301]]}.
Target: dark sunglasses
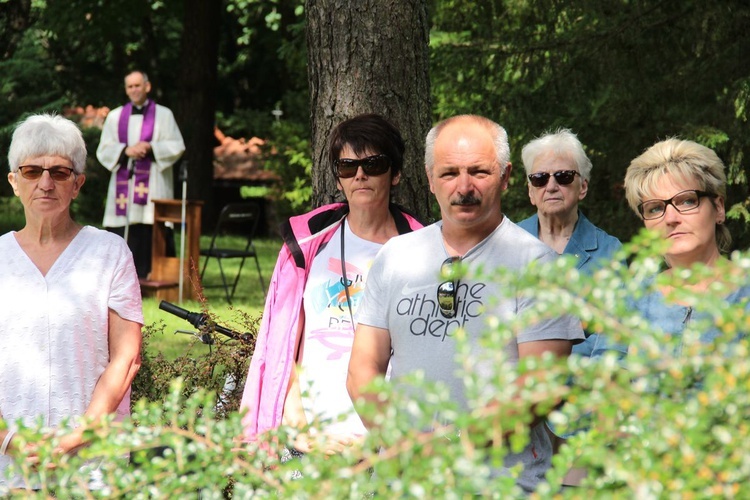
{"points": [[447, 290], [372, 165], [563, 177], [34, 172]]}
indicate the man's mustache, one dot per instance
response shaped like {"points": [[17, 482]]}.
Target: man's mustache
{"points": [[466, 200]]}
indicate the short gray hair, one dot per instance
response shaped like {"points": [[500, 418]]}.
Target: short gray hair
{"points": [[560, 142], [499, 136], [47, 135], [142, 73]]}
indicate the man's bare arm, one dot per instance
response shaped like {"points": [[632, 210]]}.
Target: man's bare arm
{"points": [[371, 352], [559, 348]]}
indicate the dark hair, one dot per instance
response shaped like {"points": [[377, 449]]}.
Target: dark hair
{"points": [[368, 133]]}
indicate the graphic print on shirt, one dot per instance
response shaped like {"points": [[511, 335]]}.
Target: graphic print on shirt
{"points": [[420, 310], [329, 333], [329, 300]]}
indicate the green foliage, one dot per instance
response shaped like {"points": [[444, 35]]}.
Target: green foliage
{"points": [[28, 82], [245, 123], [661, 425], [621, 74], [288, 155], [262, 66], [88, 207], [199, 368], [91, 45], [254, 191], [11, 214]]}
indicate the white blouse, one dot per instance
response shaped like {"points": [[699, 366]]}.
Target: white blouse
{"points": [[54, 329]]}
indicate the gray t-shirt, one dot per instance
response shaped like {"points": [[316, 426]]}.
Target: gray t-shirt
{"points": [[401, 297]]}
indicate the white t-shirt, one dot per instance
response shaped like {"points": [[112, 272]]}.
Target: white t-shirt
{"points": [[401, 297], [54, 342], [329, 333]]}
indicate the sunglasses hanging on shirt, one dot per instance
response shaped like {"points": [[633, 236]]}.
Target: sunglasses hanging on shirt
{"points": [[447, 291]]}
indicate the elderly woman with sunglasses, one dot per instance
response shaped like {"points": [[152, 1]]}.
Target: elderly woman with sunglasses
{"points": [[559, 171], [71, 327], [298, 371], [678, 188]]}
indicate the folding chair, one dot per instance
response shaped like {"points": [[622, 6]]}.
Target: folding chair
{"points": [[235, 218]]}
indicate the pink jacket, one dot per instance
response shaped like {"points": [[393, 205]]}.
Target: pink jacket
{"points": [[273, 358]]}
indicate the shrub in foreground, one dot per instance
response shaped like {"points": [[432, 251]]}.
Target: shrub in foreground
{"points": [[659, 424]]}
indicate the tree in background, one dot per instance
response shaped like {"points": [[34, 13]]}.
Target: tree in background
{"points": [[60, 54], [196, 107], [15, 17], [621, 74], [370, 57]]}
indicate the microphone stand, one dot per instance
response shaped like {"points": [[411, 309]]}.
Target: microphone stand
{"points": [[183, 178]]}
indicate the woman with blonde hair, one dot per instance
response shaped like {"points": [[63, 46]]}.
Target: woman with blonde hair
{"points": [[678, 188]]}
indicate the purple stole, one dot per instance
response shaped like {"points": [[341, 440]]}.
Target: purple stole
{"points": [[142, 168]]}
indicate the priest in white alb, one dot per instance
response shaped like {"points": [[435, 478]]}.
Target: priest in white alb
{"points": [[140, 144]]}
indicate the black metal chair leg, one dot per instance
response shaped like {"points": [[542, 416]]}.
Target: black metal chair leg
{"points": [[224, 281]]}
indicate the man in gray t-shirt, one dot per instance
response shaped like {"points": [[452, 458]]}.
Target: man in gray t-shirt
{"points": [[410, 312]]}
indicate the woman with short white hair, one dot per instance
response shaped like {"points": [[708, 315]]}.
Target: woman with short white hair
{"points": [[558, 173], [71, 328]]}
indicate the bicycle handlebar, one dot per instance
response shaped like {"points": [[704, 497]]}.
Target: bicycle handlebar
{"points": [[201, 322]]}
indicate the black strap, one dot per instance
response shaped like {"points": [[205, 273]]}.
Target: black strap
{"points": [[344, 280]]}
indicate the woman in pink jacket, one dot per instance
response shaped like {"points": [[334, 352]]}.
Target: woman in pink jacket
{"points": [[298, 371]]}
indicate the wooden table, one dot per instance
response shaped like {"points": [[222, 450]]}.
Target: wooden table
{"points": [[163, 281]]}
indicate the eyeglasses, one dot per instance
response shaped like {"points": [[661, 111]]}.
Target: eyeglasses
{"points": [[684, 201], [563, 177], [446, 291], [34, 172], [372, 165]]}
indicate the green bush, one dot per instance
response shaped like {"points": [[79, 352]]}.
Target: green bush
{"points": [[288, 154], [88, 208], [200, 368], [11, 214], [654, 432]]}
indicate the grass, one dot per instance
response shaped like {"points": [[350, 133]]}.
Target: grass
{"points": [[248, 299]]}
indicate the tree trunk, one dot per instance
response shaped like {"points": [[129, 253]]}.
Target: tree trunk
{"points": [[196, 107], [370, 56]]}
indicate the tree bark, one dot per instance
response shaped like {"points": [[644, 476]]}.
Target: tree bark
{"points": [[196, 106], [370, 56]]}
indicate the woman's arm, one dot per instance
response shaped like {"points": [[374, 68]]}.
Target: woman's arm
{"points": [[6, 438], [294, 413], [124, 362]]}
